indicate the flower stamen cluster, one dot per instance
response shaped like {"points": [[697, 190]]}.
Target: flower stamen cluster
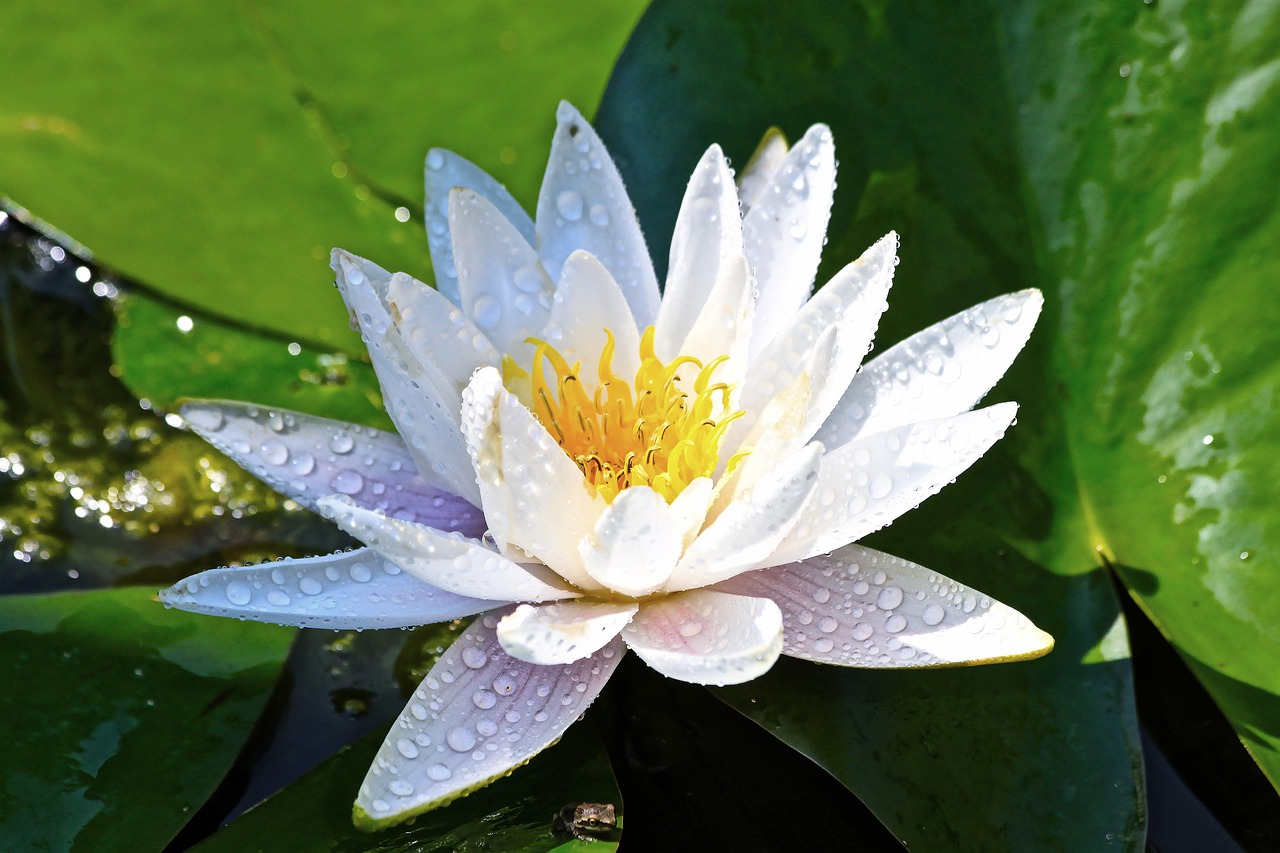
{"points": [[650, 432]]}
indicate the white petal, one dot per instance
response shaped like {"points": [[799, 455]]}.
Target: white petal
{"points": [[439, 331], [723, 328], [449, 561], [870, 481], [942, 371], [689, 509], [563, 632], [446, 170], [850, 305], [420, 401], [504, 289], [752, 526], [478, 715], [707, 637], [307, 458], [858, 607], [534, 496], [583, 205], [767, 160], [352, 590], [587, 302], [708, 234], [635, 544], [785, 228]]}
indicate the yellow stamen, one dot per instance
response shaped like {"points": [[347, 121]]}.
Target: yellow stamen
{"points": [[646, 433]]}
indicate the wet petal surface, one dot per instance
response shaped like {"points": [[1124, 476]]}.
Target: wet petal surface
{"points": [[478, 715]]}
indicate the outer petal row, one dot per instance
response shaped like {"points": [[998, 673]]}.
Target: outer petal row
{"points": [[859, 607], [347, 591], [478, 715], [308, 458]]}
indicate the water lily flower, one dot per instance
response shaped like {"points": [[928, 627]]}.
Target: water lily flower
{"points": [[593, 464]]}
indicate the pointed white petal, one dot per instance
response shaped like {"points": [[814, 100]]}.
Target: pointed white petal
{"points": [[449, 561], [723, 328], [784, 230], [352, 590], [870, 481], [767, 160], [438, 331], [708, 234], [858, 607], [587, 302], [635, 544], [421, 402], [850, 305], [505, 291], [942, 371], [307, 458], [752, 526], [446, 170], [534, 496], [707, 637], [478, 715], [563, 632], [583, 205]]}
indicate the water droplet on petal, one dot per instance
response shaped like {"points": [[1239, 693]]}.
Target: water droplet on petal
{"points": [[933, 615], [238, 593], [460, 739], [889, 598], [569, 203], [400, 788], [474, 657], [347, 482], [487, 312], [407, 748], [438, 773]]}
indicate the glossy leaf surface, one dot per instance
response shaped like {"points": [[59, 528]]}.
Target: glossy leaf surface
{"points": [[218, 151], [120, 717]]}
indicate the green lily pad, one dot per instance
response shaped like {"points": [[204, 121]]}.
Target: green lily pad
{"points": [[217, 151], [514, 814], [120, 717], [166, 355]]}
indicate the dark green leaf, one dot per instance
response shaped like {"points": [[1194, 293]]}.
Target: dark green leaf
{"points": [[932, 143], [513, 814], [217, 151], [120, 717]]}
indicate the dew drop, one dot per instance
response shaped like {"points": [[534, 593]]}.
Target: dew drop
{"points": [[895, 623], [822, 645], [474, 657], [238, 593], [933, 615], [309, 586], [486, 728], [347, 482], [435, 160], [400, 788], [881, 486], [274, 452], [484, 699], [438, 773], [862, 631], [569, 203], [822, 595], [360, 573], [889, 598], [460, 739], [407, 748], [504, 685], [278, 598], [341, 442], [486, 312]]}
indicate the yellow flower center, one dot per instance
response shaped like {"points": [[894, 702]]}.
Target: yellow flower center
{"points": [[646, 433]]}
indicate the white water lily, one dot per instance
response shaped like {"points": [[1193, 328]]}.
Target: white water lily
{"points": [[593, 466]]}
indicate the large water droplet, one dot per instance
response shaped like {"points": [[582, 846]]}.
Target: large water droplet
{"points": [[360, 573], [438, 773], [435, 160], [238, 593], [278, 598], [889, 598], [274, 452], [474, 657], [486, 312], [407, 748], [460, 739], [400, 788], [347, 482], [341, 442], [484, 699], [932, 615], [599, 215], [569, 203], [309, 586]]}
